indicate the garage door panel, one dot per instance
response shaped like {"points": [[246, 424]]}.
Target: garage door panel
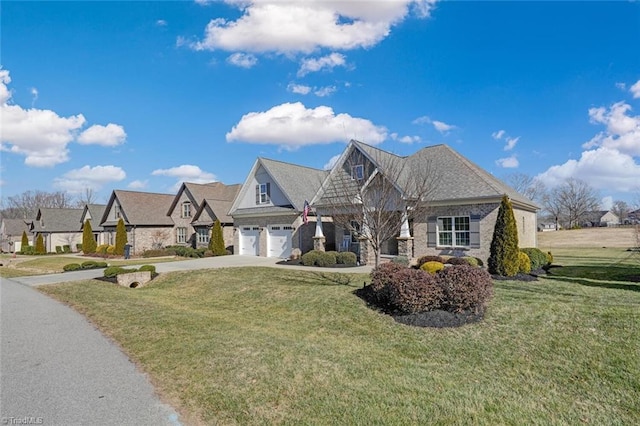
{"points": [[250, 240], [280, 241]]}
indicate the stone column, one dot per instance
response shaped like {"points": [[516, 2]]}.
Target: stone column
{"points": [[367, 255], [405, 247], [318, 243]]}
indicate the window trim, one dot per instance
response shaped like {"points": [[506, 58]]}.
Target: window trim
{"points": [[264, 193], [454, 232], [179, 231], [185, 209], [203, 237]]}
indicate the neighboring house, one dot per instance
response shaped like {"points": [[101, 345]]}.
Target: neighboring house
{"points": [[58, 227], [268, 211], [93, 213], [145, 218], [463, 206], [547, 226], [601, 218], [192, 223], [633, 218], [11, 231]]}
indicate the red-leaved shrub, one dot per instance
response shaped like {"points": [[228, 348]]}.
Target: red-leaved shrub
{"points": [[424, 259], [382, 277], [465, 287], [414, 290], [457, 261]]}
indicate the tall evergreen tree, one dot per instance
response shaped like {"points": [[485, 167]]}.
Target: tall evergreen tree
{"points": [[40, 245], [121, 237], [25, 240], [216, 243], [89, 244], [503, 256]]}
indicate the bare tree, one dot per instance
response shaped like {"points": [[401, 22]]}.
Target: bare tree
{"points": [[88, 196], [374, 195], [571, 202], [528, 186], [26, 204], [620, 209], [158, 238]]}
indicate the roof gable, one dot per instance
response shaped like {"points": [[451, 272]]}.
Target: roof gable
{"points": [[139, 208], [58, 220]]}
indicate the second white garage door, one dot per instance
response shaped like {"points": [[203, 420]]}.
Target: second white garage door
{"points": [[279, 241], [250, 240]]}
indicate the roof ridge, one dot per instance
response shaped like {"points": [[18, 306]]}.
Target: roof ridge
{"points": [[143, 192], [290, 164]]}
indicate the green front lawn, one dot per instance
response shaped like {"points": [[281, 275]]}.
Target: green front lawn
{"points": [[266, 345]]}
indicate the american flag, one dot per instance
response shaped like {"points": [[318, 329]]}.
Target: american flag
{"points": [[305, 212]]}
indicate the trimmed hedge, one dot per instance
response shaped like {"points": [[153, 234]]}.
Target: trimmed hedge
{"points": [[424, 259], [71, 267], [310, 257], [347, 258], [150, 268], [465, 287], [432, 266], [524, 263], [58, 249], [114, 271], [401, 260], [537, 257], [327, 258], [414, 291]]}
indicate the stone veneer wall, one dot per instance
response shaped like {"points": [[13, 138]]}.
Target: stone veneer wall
{"points": [[142, 238]]}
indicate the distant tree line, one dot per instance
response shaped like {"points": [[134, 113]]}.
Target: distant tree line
{"points": [[26, 204]]}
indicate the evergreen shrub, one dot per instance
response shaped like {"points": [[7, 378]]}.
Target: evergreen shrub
{"points": [[58, 250], [503, 257], [524, 263], [71, 267], [346, 258], [537, 257], [429, 258], [310, 257], [432, 266], [326, 258]]}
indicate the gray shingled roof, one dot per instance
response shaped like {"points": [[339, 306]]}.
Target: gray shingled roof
{"points": [[220, 209], [57, 220], [201, 191], [96, 212], [265, 210], [456, 178], [15, 227], [298, 183], [141, 208]]}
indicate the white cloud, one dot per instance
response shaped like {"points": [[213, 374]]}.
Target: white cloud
{"points": [[299, 89], [635, 90], [325, 62], [508, 162], [511, 143], [602, 168], [109, 135], [138, 184], [34, 95], [325, 91], [498, 135], [622, 131], [286, 27], [204, 2], [332, 162], [77, 180], [292, 125], [405, 139], [42, 136], [161, 23], [242, 60], [606, 203], [440, 126], [186, 173]]}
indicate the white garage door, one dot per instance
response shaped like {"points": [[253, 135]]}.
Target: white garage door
{"points": [[279, 242], [250, 240]]}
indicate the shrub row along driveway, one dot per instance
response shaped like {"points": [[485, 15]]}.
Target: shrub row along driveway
{"points": [[57, 368]]}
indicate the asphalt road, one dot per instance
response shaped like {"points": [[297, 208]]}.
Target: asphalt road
{"points": [[57, 369]]}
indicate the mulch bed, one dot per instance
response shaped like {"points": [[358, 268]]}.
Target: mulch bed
{"points": [[434, 319]]}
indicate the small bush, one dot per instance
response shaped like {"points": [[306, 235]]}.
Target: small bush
{"points": [[537, 257], [524, 263], [465, 287], [28, 250], [413, 290], [327, 258], [346, 258], [102, 249], [58, 250], [157, 253], [457, 261], [89, 264], [432, 266], [480, 262], [473, 261], [79, 246], [310, 257], [71, 267], [424, 259], [111, 250], [114, 271], [66, 248], [150, 268], [382, 277]]}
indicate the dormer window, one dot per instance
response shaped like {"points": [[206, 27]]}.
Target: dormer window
{"points": [[263, 193], [186, 209], [357, 172]]}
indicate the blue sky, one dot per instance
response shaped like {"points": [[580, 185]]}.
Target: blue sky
{"points": [[144, 95]]}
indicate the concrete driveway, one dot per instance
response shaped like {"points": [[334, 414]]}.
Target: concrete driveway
{"points": [[57, 369]]}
